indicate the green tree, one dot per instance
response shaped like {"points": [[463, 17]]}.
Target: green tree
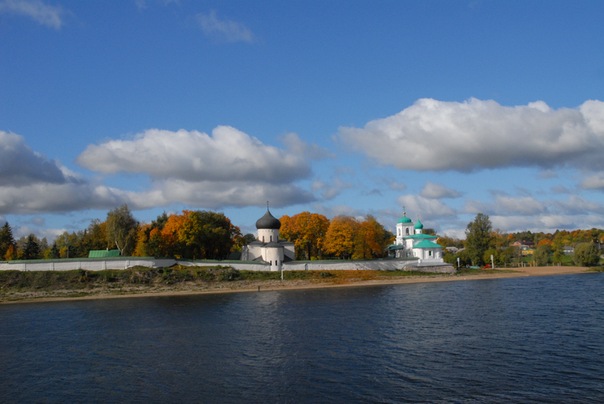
{"points": [[7, 242], [122, 229], [586, 254], [478, 238], [30, 247], [208, 235], [542, 255]]}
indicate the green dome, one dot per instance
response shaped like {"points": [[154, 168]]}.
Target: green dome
{"points": [[405, 219], [418, 225]]}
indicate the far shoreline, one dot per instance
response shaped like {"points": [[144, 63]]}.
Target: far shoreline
{"points": [[286, 285]]}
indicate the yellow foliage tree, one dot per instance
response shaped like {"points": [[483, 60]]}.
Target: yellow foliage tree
{"points": [[341, 236], [307, 231]]}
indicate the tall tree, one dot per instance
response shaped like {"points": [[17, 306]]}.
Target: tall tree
{"points": [[30, 247], [121, 229], [372, 239], [586, 254], [478, 238], [307, 231], [7, 242], [340, 237], [208, 235]]}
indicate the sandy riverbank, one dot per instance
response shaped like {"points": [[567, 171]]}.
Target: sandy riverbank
{"points": [[263, 286]]}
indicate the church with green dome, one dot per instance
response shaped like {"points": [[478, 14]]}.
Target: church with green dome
{"points": [[411, 242]]}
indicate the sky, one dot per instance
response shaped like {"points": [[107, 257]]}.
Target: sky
{"points": [[442, 109]]}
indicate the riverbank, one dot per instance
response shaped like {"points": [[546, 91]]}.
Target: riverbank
{"points": [[291, 282]]}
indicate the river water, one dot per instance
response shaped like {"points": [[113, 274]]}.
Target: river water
{"points": [[537, 339]]}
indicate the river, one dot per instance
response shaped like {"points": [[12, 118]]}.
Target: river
{"points": [[537, 339]]}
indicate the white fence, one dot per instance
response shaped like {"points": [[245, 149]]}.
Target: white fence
{"points": [[125, 263]]}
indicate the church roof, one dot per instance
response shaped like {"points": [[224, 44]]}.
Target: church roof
{"points": [[427, 244], [418, 225], [421, 236], [268, 221]]}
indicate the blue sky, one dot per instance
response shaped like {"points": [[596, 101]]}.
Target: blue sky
{"points": [[445, 108]]}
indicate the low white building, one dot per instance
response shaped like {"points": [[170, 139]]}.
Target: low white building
{"points": [[411, 242], [268, 247]]}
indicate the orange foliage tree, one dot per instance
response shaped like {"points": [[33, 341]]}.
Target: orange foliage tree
{"points": [[307, 231], [372, 239]]}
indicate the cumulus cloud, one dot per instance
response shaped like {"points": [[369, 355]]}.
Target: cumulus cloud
{"points": [[477, 134], [523, 205], [215, 195], [595, 181], [425, 208], [437, 191], [21, 166], [44, 14], [32, 183], [49, 197], [226, 168], [227, 155], [222, 29]]}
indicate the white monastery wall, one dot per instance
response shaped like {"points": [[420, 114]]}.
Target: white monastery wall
{"points": [[99, 264]]}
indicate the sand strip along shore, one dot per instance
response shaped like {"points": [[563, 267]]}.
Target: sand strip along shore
{"points": [[263, 286]]}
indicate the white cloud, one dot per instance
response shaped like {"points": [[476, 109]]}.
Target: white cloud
{"points": [[222, 29], [595, 181], [419, 206], [437, 191], [52, 197], [44, 14], [21, 166], [331, 189], [217, 195], [476, 134], [524, 205], [228, 155], [227, 168]]}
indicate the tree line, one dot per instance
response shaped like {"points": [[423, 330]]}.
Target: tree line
{"points": [[195, 234], [482, 242]]}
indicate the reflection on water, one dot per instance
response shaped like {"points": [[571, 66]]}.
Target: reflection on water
{"points": [[534, 339]]}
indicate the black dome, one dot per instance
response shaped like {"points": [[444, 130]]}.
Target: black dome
{"points": [[268, 221]]}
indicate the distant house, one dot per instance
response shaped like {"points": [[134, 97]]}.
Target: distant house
{"points": [[103, 253], [568, 250]]}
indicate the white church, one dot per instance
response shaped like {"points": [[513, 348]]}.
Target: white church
{"points": [[411, 242], [268, 247]]}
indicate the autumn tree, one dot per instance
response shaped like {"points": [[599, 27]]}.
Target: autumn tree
{"points": [[121, 229], [150, 242], [307, 231], [372, 239], [172, 244], [478, 238], [94, 237], [340, 237]]}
